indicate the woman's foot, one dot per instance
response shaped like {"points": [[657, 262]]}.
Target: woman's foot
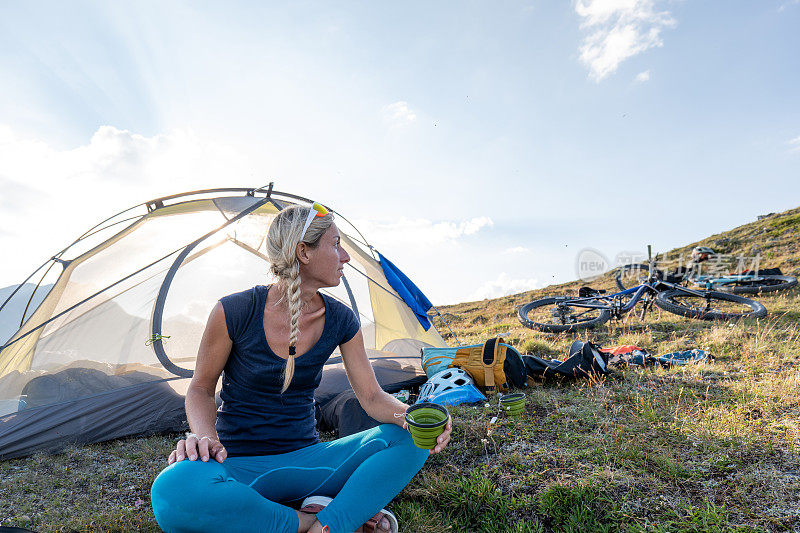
{"points": [[306, 521], [383, 526], [382, 522]]}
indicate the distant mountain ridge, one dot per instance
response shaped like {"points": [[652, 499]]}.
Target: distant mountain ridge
{"points": [[12, 312]]}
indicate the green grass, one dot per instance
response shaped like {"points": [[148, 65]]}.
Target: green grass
{"points": [[576, 508], [707, 517], [466, 503], [708, 447], [784, 223]]}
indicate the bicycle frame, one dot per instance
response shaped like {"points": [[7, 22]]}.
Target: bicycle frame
{"points": [[709, 281], [611, 302], [588, 302], [565, 313]]}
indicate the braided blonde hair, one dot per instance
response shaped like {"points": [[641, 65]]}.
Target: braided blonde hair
{"points": [[282, 240]]}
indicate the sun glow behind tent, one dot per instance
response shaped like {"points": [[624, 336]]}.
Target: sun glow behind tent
{"points": [[110, 350]]}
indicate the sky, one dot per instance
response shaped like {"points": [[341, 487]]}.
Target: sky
{"points": [[482, 146]]}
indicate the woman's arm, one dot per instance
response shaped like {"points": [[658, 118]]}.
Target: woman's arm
{"points": [[376, 402], [201, 408]]}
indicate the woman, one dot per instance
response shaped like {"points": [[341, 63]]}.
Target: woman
{"points": [[269, 344]]}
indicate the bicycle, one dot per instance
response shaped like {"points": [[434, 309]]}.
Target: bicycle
{"points": [[567, 314], [745, 283]]}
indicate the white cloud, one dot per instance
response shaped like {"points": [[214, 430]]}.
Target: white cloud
{"points": [[795, 145], [474, 225], [503, 286], [617, 30], [419, 231], [113, 158], [399, 114], [516, 250], [787, 4], [643, 76], [49, 196]]}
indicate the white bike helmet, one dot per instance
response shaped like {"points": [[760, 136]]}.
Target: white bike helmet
{"points": [[702, 253], [447, 379]]}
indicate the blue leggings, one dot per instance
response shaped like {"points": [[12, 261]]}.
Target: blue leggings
{"points": [[361, 472]]}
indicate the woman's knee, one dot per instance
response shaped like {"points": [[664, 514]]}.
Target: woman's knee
{"points": [[394, 434], [400, 437], [180, 488]]}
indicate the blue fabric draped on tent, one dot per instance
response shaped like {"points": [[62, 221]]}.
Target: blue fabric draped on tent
{"points": [[409, 292]]}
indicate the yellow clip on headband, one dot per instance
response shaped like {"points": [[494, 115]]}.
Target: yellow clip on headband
{"points": [[316, 210]]}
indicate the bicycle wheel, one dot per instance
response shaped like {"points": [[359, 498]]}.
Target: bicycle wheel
{"points": [[633, 275], [709, 305], [560, 313], [759, 284]]}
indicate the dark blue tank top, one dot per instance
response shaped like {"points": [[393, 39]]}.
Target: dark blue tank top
{"points": [[255, 418]]}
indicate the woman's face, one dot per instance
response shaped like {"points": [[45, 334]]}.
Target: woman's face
{"points": [[326, 261]]}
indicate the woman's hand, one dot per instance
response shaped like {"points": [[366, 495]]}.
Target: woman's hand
{"points": [[443, 439], [192, 447], [378, 404], [201, 409]]}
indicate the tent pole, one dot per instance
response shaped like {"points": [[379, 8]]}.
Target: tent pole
{"points": [[33, 293], [156, 319], [446, 323]]}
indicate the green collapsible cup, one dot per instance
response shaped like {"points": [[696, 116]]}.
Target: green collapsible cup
{"points": [[513, 404], [426, 421]]}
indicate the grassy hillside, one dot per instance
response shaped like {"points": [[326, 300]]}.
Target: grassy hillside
{"points": [[776, 239], [710, 447]]}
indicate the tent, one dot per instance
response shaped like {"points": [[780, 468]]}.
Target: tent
{"points": [[110, 350]]}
